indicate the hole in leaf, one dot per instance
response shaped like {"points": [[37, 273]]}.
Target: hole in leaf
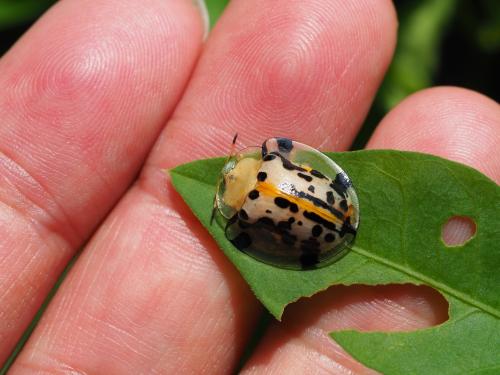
{"points": [[386, 308], [458, 230]]}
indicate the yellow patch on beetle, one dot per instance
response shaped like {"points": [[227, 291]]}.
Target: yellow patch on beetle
{"points": [[239, 181]]}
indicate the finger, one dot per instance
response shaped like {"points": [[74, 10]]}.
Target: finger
{"points": [[440, 121], [451, 122], [84, 95], [152, 279], [301, 344], [294, 69]]}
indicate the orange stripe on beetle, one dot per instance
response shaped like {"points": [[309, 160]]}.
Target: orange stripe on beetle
{"points": [[273, 191]]}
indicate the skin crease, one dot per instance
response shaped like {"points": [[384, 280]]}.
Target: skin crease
{"points": [[151, 292]]}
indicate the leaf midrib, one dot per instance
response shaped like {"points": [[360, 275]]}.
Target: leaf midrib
{"points": [[416, 275], [429, 281]]}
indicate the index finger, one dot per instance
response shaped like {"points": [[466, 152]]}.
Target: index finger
{"points": [[78, 91]]}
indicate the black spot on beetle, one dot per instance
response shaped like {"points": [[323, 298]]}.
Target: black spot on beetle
{"points": [[269, 157], [317, 230], [266, 222], [329, 198], [336, 213], [242, 240], [347, 228], [243, 214], [316, 173], [308, 260], [288, 165], [320, 203], [310, 252], [269, 212], [305, 177], [313, 216], [261, 176], [281, 202], [284, 203], [343, 205], [311, 188], [343, 179], [254, 194], [316, 201], [284, 225], [285, 145], [318, 219], [341, 184], [329, 237], [299, 222]]}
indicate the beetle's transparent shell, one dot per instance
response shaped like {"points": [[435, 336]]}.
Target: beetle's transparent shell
{"points": [[288, 205]]}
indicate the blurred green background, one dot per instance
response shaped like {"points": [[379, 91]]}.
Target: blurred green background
{"points": [[441, 42]]}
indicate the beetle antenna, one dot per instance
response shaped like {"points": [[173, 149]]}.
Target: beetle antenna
{"points": [[233, 146]]}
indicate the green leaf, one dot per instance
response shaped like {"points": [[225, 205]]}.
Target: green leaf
{"points": [[215, 9], [468, 343], [16, 12], [405, 199], [423, 25]]}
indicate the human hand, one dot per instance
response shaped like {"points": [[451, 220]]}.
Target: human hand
{"points": [[98, 92]]}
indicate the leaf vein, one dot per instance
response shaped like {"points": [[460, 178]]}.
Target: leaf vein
{"points": [[430, 281], [352, 270]]}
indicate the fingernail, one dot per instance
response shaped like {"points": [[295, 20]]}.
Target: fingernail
{"points": [[202, 7]]}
